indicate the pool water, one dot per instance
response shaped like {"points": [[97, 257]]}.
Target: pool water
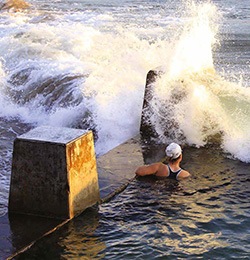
{"points": [[204, 217]]}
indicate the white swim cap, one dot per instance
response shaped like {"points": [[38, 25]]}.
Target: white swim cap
{"points": [[173, 151]]}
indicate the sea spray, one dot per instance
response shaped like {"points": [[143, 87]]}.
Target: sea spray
{"points": [[192, 51], [192, 103], [96, 73]]}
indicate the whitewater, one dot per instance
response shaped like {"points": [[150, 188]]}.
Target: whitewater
{"points": [[83, 64]]}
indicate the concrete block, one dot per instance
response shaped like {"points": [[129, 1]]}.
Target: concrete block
{"points": [[54, 173]]}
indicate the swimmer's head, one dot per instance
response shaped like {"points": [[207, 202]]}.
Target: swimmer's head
{"points": [[173, 151]]}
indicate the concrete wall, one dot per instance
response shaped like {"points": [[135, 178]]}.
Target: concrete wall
{"points": [[147, 130]]}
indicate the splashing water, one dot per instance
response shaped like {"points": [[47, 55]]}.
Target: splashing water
{"points": [[193, 51], [192, 103], [53, 75]]}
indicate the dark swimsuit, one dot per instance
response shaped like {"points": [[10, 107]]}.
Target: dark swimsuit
{"points": [[172, 174]]}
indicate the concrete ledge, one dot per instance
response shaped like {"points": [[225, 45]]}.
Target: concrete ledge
{"points": [[117, 167]]}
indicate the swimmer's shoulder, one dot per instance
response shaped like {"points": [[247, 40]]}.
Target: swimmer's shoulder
{"points": [[163, 170], [183, 174]]}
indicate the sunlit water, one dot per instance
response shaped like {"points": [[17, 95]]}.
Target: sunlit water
{"points": [[83, 64], [205, 217]]}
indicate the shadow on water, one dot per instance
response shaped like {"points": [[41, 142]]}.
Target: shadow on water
{"points": [[204, 217]]}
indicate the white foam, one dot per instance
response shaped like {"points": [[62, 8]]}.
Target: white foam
{"points": [[115, 51]]}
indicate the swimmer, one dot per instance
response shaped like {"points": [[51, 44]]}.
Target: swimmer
{"points": [[170, 170]]}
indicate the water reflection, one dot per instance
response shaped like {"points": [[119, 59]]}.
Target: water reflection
{"points": [[190, 218], [75, 240], [80, 239], [206, 216]]}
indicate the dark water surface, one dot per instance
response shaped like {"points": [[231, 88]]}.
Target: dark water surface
{"points": [[204, 217]]}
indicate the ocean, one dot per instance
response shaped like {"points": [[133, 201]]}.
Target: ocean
{"points": [[83, 64]]}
